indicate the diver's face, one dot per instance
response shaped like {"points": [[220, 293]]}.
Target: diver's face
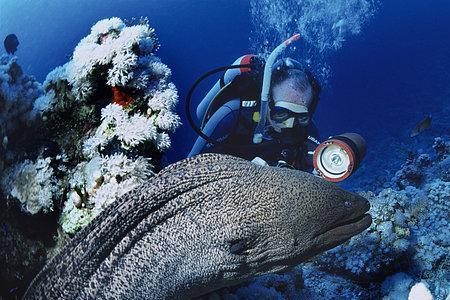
{"points": [[287, 91]]}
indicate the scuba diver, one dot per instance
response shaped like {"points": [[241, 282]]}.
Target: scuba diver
{"points": [[263, 111]]}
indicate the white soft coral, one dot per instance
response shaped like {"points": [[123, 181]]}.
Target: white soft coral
{"points": [[97, 183], [33, 184]]}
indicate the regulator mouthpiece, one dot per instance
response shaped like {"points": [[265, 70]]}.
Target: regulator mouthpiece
{"points": [[339, 157]]}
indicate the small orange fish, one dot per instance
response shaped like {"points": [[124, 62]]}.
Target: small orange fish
{"points": [[120, 97], [421, 127]]}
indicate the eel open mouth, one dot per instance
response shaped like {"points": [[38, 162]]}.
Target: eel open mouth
{"points": [[344, 230], [351, 227]]}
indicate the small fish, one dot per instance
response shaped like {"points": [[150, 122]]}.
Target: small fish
{"points": [[421, 127], [11, 42]]}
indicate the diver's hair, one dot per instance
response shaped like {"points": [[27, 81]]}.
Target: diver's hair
{"points": [[297, 76], [302, 79]]}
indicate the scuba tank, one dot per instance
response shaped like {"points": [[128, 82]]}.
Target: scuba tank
{"points": [[215, 97]]}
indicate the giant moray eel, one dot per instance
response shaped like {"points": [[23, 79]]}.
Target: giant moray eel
{"points": [[201, 224]]}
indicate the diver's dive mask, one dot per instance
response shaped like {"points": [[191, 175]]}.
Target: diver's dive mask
{"points": [[287, 116]]}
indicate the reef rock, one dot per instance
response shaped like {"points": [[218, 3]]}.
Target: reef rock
{"points": [[410, 232], [422, 168], [18, 91], [108, 113], [103, 119]]}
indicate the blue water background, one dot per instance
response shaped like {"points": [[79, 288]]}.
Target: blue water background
{"points": [[382, 81]]}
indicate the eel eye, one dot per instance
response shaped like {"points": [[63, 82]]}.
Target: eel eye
{"points": [[237, 247]]}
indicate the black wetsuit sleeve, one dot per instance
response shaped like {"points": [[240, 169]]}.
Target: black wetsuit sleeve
{"points": [[310, 144]]}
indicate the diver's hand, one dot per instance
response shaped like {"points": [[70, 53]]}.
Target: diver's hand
{"points": [[283, 164], [260, 162], [315, 173]]}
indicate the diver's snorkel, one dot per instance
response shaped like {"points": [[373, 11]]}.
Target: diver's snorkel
{"points": [[257, 137]]}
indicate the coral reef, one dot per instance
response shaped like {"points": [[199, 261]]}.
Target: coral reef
{"points": [[106, 116], [18, 91], [131, 130], [18, 123], [96, 183], [411, 172], [107, 93], [95, 129], [420, 291], [274, 286], [442, 148], [302, 282], [401, 286], [25, 242], [36, 184], [410, 229], [419, 168]]}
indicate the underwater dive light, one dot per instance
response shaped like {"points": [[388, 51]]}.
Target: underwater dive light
{"points": [[338, 157]]}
